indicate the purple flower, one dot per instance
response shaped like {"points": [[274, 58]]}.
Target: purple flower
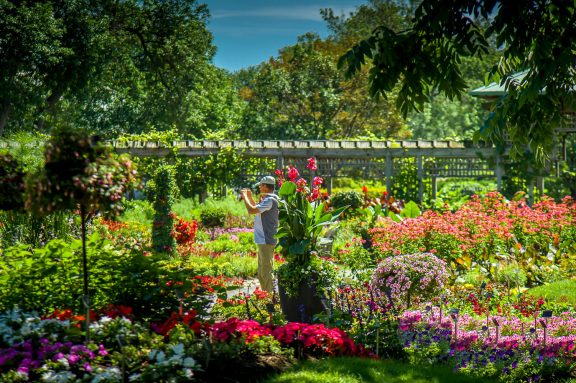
{"points": [[102, 351]]}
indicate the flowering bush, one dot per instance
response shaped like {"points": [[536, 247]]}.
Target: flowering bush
{"points": [[406, 277], [313, 339], [79, 170], [185, 232]]}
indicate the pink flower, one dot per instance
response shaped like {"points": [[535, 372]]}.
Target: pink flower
{"points": [[312, 164], [292, 173], [317, 181]]}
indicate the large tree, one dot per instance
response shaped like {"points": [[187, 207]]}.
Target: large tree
{"points": [[302, 95], [534, 36], [109, 65]]}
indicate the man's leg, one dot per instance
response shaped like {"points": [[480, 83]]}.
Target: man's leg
{"points": [[265, 263]]}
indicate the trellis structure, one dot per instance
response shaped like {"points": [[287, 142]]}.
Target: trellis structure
{"points": [[359, 159]]}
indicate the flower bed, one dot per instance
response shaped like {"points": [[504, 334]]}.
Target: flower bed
{"points": [[34, 349], [506, 347], [535, 237]]}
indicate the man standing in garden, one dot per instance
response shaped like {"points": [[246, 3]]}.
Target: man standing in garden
{"points": [[265, 228]]}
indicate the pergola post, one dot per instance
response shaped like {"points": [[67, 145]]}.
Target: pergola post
{"points": [[420, 181], [388, 172]]}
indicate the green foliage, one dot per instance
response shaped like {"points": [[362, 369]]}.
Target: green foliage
{"points": [[456, 192], [111, 67], [27, 148], [11, 183], [427, 57], [351, 199], [406, 183], [212, 216], [302, 95], [29, 229], [165, 190], [357, 260], [138, 211], [512, 276], [50, 277]]}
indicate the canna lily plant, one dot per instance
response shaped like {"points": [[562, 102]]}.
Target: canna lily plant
{"points": [[302, 218]]}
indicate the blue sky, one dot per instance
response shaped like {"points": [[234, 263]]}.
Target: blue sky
{"points": [[247, 32]]}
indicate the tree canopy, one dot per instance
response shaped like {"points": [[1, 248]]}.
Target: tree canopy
{"points": [[110, 66], [533, 36]]}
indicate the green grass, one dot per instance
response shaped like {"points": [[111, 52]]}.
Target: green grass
{"points": [[360, 370], [187, 208], [563, 291]]}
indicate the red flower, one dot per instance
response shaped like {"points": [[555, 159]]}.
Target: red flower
{"points": [[317, 181]]}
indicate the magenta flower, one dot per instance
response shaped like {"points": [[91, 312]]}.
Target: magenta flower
{"points": [[312, 164]]}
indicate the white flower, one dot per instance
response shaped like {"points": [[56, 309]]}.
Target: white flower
{"points": [[58, 377], [111, 375], [189, 362]]}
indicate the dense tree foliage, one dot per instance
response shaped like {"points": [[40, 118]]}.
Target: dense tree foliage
{"points": [[301, 94], [110, 66], [426, 57]]}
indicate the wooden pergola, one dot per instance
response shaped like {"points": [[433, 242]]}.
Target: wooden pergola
{"points": [[360, 159]]}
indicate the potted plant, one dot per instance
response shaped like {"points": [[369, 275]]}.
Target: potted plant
{"points": [[304, 277]]}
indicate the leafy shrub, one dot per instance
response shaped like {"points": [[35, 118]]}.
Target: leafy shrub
{"points": [[511, 276], [406, 277], [212, 216], [47, 278], [353, 199], [162, 239]]}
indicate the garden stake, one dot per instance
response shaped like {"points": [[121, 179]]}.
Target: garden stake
{"points": [[247, 308], [120, 340], [440, 307], [257, 309], [454, 314], [86, 298], [377, 340], [497, 324], [545, 314]]}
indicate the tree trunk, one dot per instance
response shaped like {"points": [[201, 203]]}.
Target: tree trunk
{"points": [[4, 117], [51, 102]]}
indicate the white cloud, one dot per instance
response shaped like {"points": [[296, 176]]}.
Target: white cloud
{"points": [[308, 12]]}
